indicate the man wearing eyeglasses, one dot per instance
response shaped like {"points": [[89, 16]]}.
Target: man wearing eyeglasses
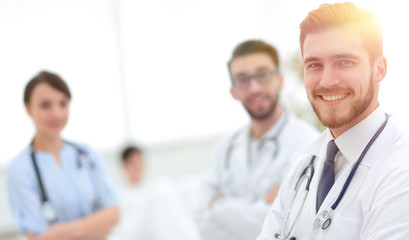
{"points": [[249, 164]]}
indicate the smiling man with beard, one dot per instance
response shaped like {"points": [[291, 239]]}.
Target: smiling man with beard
{"points": [[359, 189], [249, 164]]}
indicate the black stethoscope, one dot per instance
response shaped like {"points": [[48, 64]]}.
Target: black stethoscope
{"points": [[48, 211], [323, 219], [273, 139]]}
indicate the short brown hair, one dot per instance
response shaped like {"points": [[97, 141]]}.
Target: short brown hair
{"points": [[51, 79], [255, 46], [342, 14]]}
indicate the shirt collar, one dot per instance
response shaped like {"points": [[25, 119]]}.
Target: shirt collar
{"points": [[278, 126], [352, 142]]}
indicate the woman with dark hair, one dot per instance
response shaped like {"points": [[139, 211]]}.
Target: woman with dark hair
{"points": [[58, 189]]}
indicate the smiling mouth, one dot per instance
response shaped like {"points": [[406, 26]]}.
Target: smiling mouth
{"points": [[334, 97]]}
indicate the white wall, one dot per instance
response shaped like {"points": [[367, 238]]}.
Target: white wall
{"points": [[74, 38], [154, 71]]}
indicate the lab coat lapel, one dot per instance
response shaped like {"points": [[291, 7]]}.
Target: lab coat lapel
{"points": [[261, 166], [306, 218], [314, 186], [318, 166], [266, 160], [318, 173], [239, 157]]}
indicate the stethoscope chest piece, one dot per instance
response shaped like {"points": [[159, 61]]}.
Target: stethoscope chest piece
{"points": [[49, 212], [323, 220]]}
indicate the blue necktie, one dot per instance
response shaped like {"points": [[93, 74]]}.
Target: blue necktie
{"points": [[328, 176]]}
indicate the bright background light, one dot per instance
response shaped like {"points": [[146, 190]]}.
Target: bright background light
{"points": [[155, 71]]}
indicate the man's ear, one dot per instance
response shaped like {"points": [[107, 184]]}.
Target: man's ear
{"points": [[281, 81], [380, 70]]}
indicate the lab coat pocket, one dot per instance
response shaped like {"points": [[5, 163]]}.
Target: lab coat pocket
{"points": [[344, 228]]}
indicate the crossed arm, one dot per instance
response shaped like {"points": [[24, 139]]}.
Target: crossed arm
{"points": [[96, 225]]}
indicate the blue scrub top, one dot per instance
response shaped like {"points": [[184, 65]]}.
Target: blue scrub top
{"points": [[70, 188]]}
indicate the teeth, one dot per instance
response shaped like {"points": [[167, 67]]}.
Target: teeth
{"points": [[334, 98]]}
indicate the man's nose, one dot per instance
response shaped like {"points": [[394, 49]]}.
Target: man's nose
{"points": [[254, 83], [329, 77]]}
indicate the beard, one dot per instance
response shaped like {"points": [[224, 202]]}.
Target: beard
{"points": [[267, 113], [335, 118]]}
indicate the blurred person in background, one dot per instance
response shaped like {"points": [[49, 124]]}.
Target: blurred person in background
{"points": [[250, 164], [150, 208], [58, 189], [133, 164]]}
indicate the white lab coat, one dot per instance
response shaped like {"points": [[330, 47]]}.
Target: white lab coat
{"points": [[240, 214], [375, 203]]}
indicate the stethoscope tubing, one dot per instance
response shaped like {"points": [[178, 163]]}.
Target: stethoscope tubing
{"points": [[303, 175], [80, 164], [325, 215], [225, 173], [357, 163], [274, 139]]}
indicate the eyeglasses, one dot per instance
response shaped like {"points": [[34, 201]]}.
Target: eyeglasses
{"points": [[262, 77]]}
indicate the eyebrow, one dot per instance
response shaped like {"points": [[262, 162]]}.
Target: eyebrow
{"points": [[311, 59], [258, 69], [346, 55], [337, 56]]}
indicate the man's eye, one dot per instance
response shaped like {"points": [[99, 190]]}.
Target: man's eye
{"points": [[314, 65], [263, 75], [241, 80], [345, 62]]}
